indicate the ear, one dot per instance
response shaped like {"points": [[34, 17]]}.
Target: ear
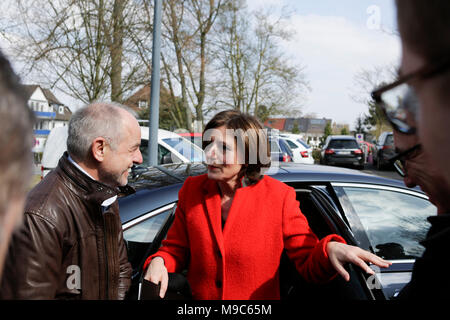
{"points": [[98, 149]]}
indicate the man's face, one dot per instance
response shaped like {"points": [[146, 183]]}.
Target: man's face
{"points": [[117, 163], [434, 115], [419, 171]]}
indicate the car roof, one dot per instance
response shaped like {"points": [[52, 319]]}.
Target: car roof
{"points": [[158, 186], [162, 134], [342, 137]]}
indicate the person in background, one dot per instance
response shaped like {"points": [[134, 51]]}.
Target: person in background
{"points": [[232, 224], [16, 139], [71, 244]]}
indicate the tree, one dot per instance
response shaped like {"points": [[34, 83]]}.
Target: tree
{"points": [[255, 71], [327, 132], [364, 82], [295, 129], [359, 124], [344, 131], [78, 46]]}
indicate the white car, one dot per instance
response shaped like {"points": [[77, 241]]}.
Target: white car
{"points": [[172, 148], [302, 152]]}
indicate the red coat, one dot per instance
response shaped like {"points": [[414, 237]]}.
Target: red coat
{"points": [[242, 260]]}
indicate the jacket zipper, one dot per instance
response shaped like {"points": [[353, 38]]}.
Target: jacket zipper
{"points": [[106, 255]]}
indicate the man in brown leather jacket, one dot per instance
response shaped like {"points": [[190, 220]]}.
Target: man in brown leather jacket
{"points": [[71, 243]]}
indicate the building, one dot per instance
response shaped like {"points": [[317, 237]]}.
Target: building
{"points": [[310, 129], [49, 111]]}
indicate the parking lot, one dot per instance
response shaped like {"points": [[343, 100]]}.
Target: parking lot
{"points": [[388, 173]]}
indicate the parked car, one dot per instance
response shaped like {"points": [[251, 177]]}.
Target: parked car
{"points": [[342, 150], [280, 150], [384, 150], [302, 152], [377, 214], [171, 148], [194, 137]]}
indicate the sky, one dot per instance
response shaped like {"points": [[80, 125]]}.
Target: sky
{"points": [[334, 40]]}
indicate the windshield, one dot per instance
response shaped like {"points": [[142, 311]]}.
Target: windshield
{"points": [[343, 144], [186, 148]]}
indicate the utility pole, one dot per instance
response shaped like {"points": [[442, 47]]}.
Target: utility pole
{"points": [[155, 87]]}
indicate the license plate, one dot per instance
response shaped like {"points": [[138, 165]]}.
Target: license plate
{"points": [[343, 152]]}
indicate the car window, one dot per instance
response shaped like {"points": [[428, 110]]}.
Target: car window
{"points": [[307, 146], [185, 148], [343, 144], [291, 144], [394, 222], [285, 148], [389, 140], [146, 230], [164, 155]]}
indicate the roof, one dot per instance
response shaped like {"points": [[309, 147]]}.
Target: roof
{"points": [[31, 88], [142, 94], [342, 137], [275, 123]]}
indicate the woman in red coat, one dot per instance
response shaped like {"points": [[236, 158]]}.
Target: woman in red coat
{"points": [[232, 224]]}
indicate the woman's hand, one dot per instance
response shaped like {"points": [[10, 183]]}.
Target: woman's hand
{"points": [[157, 273], [340, 254]]}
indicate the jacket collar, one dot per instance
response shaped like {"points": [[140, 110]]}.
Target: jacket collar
{"points": [[86, 187], [212, 201]]}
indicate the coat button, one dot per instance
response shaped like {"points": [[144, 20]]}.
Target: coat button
{"points": [[218, 284]]}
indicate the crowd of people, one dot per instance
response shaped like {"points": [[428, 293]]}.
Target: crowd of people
{"points": [[64, 239]]}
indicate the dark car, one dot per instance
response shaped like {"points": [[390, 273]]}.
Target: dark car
{"points": [[377, 214], [384, 151], [342, 150]]}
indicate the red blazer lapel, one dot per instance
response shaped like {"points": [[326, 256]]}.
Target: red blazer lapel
{"points": [[211, 198]]}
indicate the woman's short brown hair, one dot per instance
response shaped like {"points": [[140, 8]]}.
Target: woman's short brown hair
{"points": [[248, 132]]}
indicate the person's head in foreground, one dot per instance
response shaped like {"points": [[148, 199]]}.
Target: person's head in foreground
{"points": [[425, 35], [16, 139]]}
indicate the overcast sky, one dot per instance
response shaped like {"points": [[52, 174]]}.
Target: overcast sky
{"points": [[335, 40]]}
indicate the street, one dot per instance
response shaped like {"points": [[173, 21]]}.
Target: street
{"points": [[391, 173]]}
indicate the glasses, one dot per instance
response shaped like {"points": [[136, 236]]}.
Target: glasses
{"points": [[390, 98], [399, 160]]}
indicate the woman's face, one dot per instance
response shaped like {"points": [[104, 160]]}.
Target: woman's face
{"points": [[221, 155]]}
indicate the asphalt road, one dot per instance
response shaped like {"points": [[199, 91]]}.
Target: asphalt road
{"points": [[387, 173]]}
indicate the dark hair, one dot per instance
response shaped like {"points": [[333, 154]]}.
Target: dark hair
{"points": [[16, 136], [425, 27], [254, 138]]}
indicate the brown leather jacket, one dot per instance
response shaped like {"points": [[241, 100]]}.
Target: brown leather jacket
{"points": [[69, 246]]}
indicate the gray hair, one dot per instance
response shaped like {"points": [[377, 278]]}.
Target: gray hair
{"points": [[99, 119], [16, 136]]}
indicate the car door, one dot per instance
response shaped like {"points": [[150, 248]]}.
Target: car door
{"points": [[323, 214], [389, 222], [143, 236]]}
